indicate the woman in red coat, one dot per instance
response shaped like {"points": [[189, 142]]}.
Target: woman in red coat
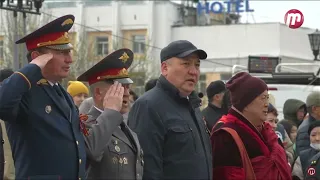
{"points": [[244, 146]]}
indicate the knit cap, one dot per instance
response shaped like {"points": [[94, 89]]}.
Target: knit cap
{"points": [[244, 88], [313, 99], [77, 87]]}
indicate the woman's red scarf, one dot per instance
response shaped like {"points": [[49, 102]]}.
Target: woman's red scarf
{"points": [[273, 165]]}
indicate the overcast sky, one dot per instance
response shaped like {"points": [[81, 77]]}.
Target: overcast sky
{"points": [[274, 11]]}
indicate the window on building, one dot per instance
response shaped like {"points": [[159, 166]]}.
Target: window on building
{"points": [[1, 49], [61, 4], [133, 2], [139, 45], [97, 2], [102, 46], [202, 85]]}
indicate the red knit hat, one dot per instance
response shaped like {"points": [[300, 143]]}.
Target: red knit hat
{"points": [[244, 89]]}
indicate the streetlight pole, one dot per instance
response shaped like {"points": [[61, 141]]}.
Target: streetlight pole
{"points": [[24, 32], [25, 7]]}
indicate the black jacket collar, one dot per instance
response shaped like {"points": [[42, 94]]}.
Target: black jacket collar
{"points": [[311, 118], [212, 106], [173, 92]]}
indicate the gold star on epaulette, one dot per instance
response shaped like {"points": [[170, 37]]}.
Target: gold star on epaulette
{"points": [[124, 57], [67, 21]]}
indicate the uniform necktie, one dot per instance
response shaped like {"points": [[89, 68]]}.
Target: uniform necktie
{"points": [[125, 130], [58, 90], [62, 97]]}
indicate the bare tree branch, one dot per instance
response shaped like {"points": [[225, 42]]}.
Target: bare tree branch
{"points": [[33, 22]]}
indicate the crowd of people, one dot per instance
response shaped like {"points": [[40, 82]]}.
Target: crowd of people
{"points": [[297, 133], [105, 131]]}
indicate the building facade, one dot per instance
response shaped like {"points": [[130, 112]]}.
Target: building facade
{"points": [[147, 26], [229, 45]]}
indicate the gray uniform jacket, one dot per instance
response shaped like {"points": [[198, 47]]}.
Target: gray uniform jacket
{"points": [[86, 105], [111, 154]]}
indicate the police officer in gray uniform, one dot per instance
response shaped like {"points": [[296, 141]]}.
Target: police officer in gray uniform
{"points": [[113, 150]]}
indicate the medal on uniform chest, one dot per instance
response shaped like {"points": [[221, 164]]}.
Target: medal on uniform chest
{"points": [[117, 148], [125, 160], [48, 109], [114, 160], [120, 160]]}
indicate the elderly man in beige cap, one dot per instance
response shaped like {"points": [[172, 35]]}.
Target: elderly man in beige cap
{"points": [[313, 107]]}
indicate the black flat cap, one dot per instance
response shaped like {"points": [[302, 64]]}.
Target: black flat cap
{"points": [[113, 67], [215, 87], [53, 35], [181, 49]]}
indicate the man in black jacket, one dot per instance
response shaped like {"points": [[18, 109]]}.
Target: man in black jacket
{"points": [[213, 112], [168, 120]]}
